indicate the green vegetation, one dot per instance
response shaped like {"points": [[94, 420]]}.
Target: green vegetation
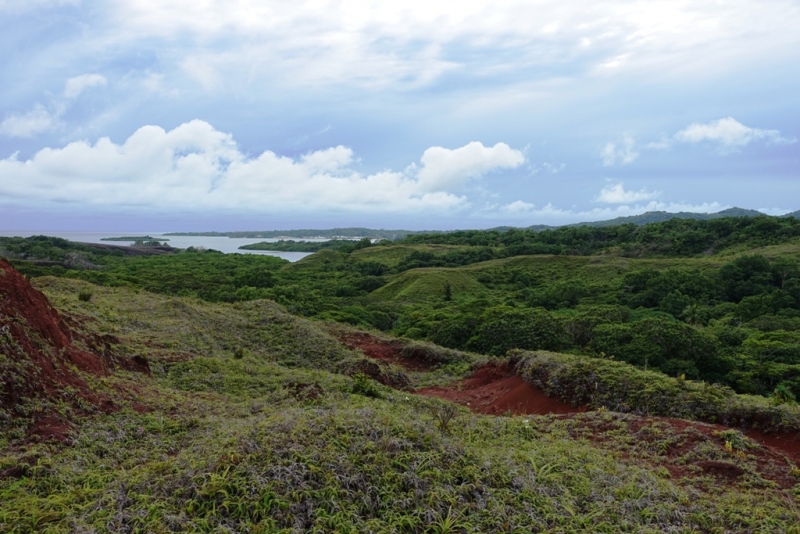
{"points": [[661, 216], [245, 426], [142, 238], [302, 246], [715, 300], [66, 254], [617, 386], [672, 238]]}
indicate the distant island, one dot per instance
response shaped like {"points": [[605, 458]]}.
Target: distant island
{"points": [[661, 216], [333, 233], [142, 238], [298, 246], [350, 234], [656, 217]]}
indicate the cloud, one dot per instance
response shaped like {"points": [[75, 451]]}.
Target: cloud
{"points": [[39, 119], [443, 168], [552, 168], [198, 168], [75, 86], [418, 42], [518, 207], [728, 133], [36, 121], [21, 6], [552, 214], [616, 194], [623, 154], [201, 72]]}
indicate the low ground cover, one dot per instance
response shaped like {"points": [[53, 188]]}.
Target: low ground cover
{"points": [[248, 424]]}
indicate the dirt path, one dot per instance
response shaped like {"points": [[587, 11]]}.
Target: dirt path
{"points": [[388, 351], [494, 389]]}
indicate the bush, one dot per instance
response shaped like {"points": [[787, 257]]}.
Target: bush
{"points": [[85, 296], [503, 328], [621, 387], [365, 386]]}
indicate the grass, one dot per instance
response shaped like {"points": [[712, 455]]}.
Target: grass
{"points": [[346, 463], [419, 285], [168, 328], [274, 441]]}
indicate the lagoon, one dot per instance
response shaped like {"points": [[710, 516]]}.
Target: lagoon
{"points": [[228, 245]]}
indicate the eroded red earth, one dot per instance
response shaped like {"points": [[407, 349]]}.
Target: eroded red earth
{"points": [[495, 389], [45, 359], [388, 351]]}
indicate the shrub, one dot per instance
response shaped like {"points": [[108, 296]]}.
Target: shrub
{"points": [[621, 387], [85, 296], [365, 386], [503, 328], [444, 414], [783, 394]]}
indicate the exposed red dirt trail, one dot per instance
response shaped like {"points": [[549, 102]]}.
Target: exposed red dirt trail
{"points": [[492, 389], [787, 443], [388, 351], [495, 389]]}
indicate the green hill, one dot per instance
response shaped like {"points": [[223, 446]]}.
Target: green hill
{"points": [[661, 216], [255, 420]]}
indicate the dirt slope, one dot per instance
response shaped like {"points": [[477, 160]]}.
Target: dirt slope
{"points": [[495, 389], [44, 362]]}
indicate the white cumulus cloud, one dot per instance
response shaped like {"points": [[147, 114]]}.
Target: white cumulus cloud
{"points": [[36, 121], [196, 167], [518, 207], [623, 154], [728, 133], [617, 194], [443, 168], [75, 86]]}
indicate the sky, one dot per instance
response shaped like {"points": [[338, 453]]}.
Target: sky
{"points": [[174, 115]]}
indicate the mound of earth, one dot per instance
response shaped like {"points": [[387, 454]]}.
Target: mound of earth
{"points": [[493, 389], [378, 370], [43, 361]]}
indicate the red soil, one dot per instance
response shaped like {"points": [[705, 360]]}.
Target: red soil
{"points": [[389, 351], [45, 358], [495, 389], [786, 443], [492, 389]]}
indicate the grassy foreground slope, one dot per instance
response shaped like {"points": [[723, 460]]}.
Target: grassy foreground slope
{"points": [[244, 428]]}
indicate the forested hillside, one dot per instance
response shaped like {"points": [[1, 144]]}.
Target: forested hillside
{"points": [[717, 300]]}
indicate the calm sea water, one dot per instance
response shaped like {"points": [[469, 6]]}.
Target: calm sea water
{"points": [[228, 245]]}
